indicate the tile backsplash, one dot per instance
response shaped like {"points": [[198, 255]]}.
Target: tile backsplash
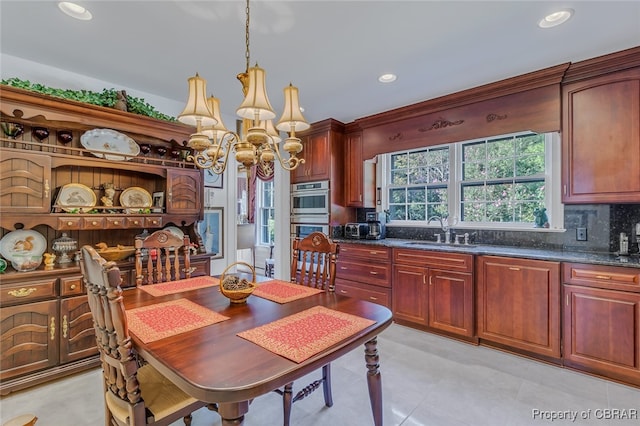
{"points": [[604, 223]]}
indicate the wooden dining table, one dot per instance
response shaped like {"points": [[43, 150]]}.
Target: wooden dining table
{"points": [[213, 364]]}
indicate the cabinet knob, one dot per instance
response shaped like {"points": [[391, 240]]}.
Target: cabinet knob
{"points": [[94, 223], [69, 223], [73, 287], [115, 222], [135, 222], [154, 222]]}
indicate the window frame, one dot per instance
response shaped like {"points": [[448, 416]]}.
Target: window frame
{"points": [[552, 176], [260, 208]]}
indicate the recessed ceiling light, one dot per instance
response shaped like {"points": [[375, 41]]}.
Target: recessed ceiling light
{"points": [[556, 18], [75, 10], [387, 78]]}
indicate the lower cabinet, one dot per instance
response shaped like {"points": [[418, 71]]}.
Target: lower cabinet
{"points": [[519, 304], [602, 324], [434, 289], [364, 271]]}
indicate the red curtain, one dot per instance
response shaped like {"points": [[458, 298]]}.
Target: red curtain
{"points": [[255, 174]]}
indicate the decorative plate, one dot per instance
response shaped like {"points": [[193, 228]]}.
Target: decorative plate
{"points": [[101, 142], [74, 196], [136, 198], [22, 243], [175, 230]]}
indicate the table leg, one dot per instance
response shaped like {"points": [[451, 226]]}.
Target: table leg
{"points": [[232, 413], [374, 380]]}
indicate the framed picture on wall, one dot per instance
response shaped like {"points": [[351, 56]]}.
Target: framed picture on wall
{"points": [[158, 202], [212, 180], [211, 229]]}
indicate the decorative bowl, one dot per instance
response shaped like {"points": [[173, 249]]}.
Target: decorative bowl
{"points": [[25, 262], [235, 288], [115, 253]]}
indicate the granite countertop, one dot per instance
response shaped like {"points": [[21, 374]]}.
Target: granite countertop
{"points": [[610, 259]]}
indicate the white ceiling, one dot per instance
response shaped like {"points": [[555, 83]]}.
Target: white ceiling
{"points": [[333, 51]]}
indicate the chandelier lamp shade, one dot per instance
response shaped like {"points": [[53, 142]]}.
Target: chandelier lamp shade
{"points": [[259, 143]]}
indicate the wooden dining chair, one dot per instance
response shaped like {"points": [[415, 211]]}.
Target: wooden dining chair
{"points": [[167, 258], [313, 264], [135, 393]]}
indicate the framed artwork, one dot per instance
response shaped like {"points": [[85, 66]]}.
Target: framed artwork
{"points": [[212, 180], [211, 230], [158, 202]]}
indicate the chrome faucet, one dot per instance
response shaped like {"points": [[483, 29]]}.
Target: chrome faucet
{"points": [[444, 225]]}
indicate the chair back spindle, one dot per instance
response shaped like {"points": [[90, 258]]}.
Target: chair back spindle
{"points": [[167, 258], [314, 261]]}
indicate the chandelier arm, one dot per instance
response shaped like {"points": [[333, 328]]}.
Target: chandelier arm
{"points": [[289, 164]]}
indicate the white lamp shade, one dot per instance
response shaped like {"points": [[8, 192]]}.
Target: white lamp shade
{"points": [[197, 108], [292, 118], [256, 104], [271, 131], [218, 130]]}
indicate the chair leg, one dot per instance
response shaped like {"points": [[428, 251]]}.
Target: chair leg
{"points": [[286, 402], [187, 420], [326, 385]]}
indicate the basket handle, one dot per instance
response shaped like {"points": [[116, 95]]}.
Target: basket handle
{"points": [[253, 271]]}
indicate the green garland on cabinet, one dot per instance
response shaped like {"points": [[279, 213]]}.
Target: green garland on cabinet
{"points": [[106, 98]]}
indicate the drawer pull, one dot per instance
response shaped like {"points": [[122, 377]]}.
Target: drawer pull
{"points": [[52, 328], [69, 223], [23, 292], [94, 223], [135, 222], [46, 188], [115, 222], [65, 326], [73, 287], [373, 272], [373, 252], [373, 298], [513, 268], [344, 268], [603, 277], [343, 291]]}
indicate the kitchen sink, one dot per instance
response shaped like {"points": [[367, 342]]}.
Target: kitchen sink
{"points": [[433, 243]]}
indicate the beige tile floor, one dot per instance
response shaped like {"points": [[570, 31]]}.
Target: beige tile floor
{"points": [[427, 380]]}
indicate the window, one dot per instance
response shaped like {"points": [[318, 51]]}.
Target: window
{"points": [[496, 182], [266, 212]]}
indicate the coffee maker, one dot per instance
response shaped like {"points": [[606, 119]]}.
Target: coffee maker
{"points": [[376, 222]]}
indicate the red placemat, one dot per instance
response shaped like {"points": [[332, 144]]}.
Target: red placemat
{"points": [[166, 319], [302, 335], [180, 285], [283, 292]]}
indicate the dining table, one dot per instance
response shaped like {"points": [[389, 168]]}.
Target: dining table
{"points": [[214, 364]]}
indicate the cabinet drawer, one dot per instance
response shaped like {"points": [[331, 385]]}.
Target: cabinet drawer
{"points": [[134, 222], [115, 222], [66, 223], [373, 273], [93, 222], [434, 259], [370, 293], [370, 253], [611, 277], [21, 293], [153, 222], [71, 286]]}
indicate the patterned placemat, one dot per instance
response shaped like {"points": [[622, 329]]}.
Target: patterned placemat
{"points": [[166, 319], [283, 292], [302, 335], [180, 285]]}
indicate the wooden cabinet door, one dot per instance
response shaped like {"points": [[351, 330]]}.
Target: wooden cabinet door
{"points": [[602, 332], [519, 303], [354, 172], [316, 152], [184, 191], [25, 186], [451, 302], [409, 294], [29, 338], [601, 146], [77, 336]]}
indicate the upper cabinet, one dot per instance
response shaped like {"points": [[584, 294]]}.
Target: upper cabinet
{"points": [[601, 130], [321, 148], [359, 175], [47, 154]]}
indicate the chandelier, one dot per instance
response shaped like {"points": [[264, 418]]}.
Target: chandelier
{"points": [[213, 143]]}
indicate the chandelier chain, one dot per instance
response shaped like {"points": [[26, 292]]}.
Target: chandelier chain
{"points": [[246, 54]]}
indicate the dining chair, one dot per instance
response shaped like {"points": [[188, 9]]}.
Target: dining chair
{"points": [[269, 263], [313, 264], [135, 393], [167, 258]]}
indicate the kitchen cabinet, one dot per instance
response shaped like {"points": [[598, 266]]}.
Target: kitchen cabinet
{"points": [[25, 186], [601, 131], [518, 303], [359, 175], [364, 272], [322, 147], [434, 289], [601, 320]]}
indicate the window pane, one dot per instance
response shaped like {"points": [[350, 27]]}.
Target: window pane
{"points": [[472, 171], [398, 212], [501, 168], [399, 177], [417, 212], [416, 195], [476, 152], [500, 148], [473, 193], [473, 212], [397, 195], [530, 165]]}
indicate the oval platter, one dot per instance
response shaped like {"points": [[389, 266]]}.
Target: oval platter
{"points": [[22, 242], [75, 196], [103, 142], [135, 199]]}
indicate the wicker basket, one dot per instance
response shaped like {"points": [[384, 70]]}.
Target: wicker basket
{"points": [[238, 296]]}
